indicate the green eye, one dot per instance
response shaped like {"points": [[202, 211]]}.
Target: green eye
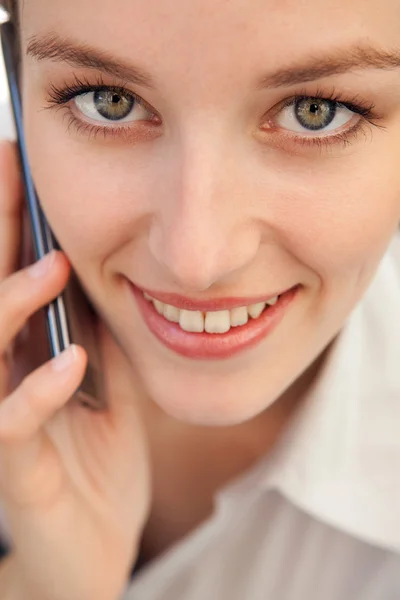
{"points": [[112, 105], [315, 113]]}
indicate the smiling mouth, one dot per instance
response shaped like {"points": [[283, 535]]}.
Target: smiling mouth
{"points": [[212, 322], [227, 330]]}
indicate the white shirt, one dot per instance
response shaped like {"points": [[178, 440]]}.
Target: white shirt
{"points": [[319, 518]]}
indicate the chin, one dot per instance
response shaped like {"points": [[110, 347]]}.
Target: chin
{"points": [[202, 414], [205, 393], [213, 404]]}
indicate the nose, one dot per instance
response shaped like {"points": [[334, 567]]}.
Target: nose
{"points": [[201, 233]]}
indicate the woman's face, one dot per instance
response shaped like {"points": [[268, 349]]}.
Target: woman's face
{"points": [[228, 178]]}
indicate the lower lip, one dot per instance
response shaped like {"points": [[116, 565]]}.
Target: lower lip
{"points": [[213, 345]]}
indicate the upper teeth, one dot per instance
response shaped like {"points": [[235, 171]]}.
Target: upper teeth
{"points": [[211, 321]]}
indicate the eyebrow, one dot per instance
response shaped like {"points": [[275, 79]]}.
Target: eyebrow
{"points": [[339, 61], [342, 60], [53, 47]]}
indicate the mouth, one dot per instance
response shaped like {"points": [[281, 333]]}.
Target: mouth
{"points": [[211, 329]]}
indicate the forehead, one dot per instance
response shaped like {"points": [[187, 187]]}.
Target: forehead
{"points": [[233, 40], [163, 21]]}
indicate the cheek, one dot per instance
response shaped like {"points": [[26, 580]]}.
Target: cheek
{"points": [[340, 225], [92, 197]]}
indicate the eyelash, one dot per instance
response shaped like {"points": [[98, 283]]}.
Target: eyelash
{"points": [[60, 97]]}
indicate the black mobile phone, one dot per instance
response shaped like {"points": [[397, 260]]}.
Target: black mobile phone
{"points": [[70, 318]]}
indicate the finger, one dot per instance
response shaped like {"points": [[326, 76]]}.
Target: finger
{"points": [[10, 208], [40, 395], [30, 470], [25, 292]]}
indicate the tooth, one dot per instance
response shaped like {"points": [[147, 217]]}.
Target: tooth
{"points": [[159, 306], [273, 301], [171, 313], [147, 296], [239, 316], [218, 321], [255, 310], [191, 321]]}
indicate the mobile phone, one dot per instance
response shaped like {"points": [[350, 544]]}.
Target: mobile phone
{"points": [[70, 317]]}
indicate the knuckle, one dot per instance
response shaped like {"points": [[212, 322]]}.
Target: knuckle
{"points": [[13, 310], [23, 411], [11, 434], [14, 301], [29, 393]]}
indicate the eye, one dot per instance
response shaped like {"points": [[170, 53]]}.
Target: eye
{"points": [[313, 114], [107, 105]]}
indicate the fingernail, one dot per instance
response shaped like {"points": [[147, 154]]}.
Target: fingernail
{"points": [[65, 359], [40, 268]]}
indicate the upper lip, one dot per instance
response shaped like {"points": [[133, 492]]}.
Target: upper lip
{"points": [[211, 304]]}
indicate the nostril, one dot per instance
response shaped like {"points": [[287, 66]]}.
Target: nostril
{"points": [[195, 258]]}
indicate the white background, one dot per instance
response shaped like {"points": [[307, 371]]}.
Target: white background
{"points": [[3, 85], [6, 126]]}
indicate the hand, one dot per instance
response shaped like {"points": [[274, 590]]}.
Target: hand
{"points": [[74, 483]]}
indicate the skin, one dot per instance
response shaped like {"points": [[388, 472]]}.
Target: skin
{"points": [[207, 206]]}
